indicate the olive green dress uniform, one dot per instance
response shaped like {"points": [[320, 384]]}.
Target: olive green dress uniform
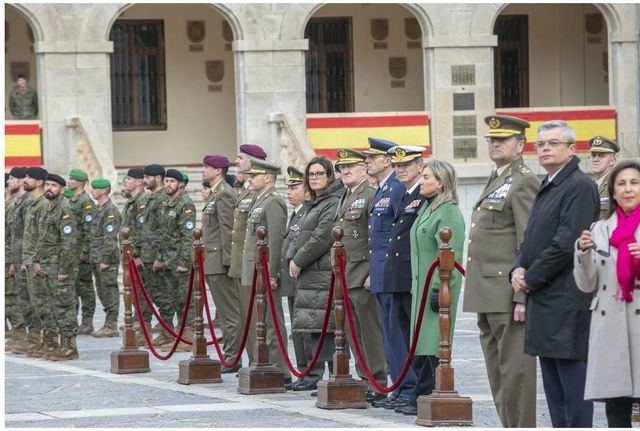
{"points": [[353, 216], [104, 248], [11, 306], [600, 144], [497, 228], [603, 193], [36, 283], [217, 225], [57, 255], [177, 221], [83, 206], [240, 216], [30, 320]]}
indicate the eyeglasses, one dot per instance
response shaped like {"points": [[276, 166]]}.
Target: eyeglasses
{"points": [[318, 174], [602, 252], [554, 143]]}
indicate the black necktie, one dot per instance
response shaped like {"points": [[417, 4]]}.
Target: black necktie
{"points": [[293, 214]]}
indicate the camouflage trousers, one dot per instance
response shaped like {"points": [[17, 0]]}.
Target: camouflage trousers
{"points": [[177, 284], [11, 305], [107, 287], [39, 297], [62, 298], [29, 318], [155, 287], [85, 292]]}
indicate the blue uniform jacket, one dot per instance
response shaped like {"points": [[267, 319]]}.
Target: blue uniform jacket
{"points": [[397, 264], [381, 215]]}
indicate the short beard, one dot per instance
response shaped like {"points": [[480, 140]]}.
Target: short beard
{"points": [[50, 195]]}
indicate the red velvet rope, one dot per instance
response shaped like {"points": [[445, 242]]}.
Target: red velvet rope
{"points": [[416, 332], [461, 269], [134, 284], [274, 316], [247, 323]]}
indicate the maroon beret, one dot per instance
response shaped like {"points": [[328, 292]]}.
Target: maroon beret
{"points": [[253, 151], [216, 161]]}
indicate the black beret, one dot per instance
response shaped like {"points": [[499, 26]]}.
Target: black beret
{"points": [[6, 179], [174, 173], [153, 170], [137, 173], [18, 172], [56, 178], [37, 173]]}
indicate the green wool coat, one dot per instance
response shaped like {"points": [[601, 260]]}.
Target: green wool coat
{"points": [[425, 242]]}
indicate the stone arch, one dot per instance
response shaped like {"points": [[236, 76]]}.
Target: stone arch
{"points": [[25, 10]]}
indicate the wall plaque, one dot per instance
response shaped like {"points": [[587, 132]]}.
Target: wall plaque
{"points": [[464, 102], [593, 23], [465, 148], [215, 88], [215, 70], [195, 31], [463, 74], [398, 67], [379, 45], [196, 48], [412, 28], [20, 68], [379, 28], [397, 84], [464, 125]]}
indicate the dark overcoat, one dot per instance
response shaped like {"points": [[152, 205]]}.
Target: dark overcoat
{"points": [[557, 312]]}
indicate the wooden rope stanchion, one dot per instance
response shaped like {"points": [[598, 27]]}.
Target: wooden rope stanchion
{"points": [[261, 377], [445, 407], [200, 368], [341, 391], [129, 359]]}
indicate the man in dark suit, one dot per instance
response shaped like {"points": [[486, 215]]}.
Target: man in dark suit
{"points": [[382, 212], [557, 313]]}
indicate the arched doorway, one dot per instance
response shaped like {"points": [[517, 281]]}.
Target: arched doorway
{"points": [[551, 55], [365, 76], [172, 84]]}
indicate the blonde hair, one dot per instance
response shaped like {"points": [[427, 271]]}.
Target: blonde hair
{"points": [[446, 175]]}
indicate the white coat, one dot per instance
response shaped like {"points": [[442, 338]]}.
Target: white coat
{"points": [[613, 365]]}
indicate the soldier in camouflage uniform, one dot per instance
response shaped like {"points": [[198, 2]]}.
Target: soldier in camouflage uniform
{"points": [[151, 233], [132, 218], [104, 255], [12, 309], [173, 259], [23, 100], [82, 207], [48, 339], [20, 343], [57, 255]]}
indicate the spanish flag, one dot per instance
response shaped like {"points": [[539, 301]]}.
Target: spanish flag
{"points": [[22, 144]]}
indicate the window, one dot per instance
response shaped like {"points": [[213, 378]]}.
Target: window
{"points": [[329, 66], [138, 95], [512, 62]]}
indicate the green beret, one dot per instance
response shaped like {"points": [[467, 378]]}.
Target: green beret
{"points": [[100, 183], [185, 176], [68, 193], [78, 174]]}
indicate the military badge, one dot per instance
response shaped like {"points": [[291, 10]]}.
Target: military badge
{"points": [[88, 207], [294, 228], [597, 141], [187, 211], [355, 234], [383, 203], [65, 216], [110, 216], [189, 225], [88, 218], [494, 123], [343, 154], [109, 228], [141, 219], [67, 229], [143, 206], [172, 213], [400, 152], [245, 204]]}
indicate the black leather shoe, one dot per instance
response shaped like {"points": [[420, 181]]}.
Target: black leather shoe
{"points": [[229, 370], [397, 403], [408, 410], [305, 385], [372, 396], [288, 384], [381, 403], [314, 394]]}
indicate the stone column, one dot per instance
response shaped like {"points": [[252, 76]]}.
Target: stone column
{"points": [[74, 81], [623, 93], [270, 77]]}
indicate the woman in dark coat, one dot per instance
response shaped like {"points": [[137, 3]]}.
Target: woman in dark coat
{"points": [[311, 266]]}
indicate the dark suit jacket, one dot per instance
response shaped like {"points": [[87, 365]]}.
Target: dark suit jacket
{"points": [[557, 313]]}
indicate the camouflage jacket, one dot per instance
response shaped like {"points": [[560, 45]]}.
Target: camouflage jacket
{"points": [[103, 247], [8, 207], [177, 220], [58, 236], [18, 216], [133, 218], [34, 214], [82, 207], [23, 103], [151, 233]]}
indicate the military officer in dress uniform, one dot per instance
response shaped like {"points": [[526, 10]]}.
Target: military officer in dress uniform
{"points": [[603, 159], [269, 210], [382, 212], [497, 228], [217, 224], [353, 216], [298, 198], [243, 203]]}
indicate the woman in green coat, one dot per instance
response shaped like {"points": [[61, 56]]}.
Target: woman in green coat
{"points": [[438, 185]]}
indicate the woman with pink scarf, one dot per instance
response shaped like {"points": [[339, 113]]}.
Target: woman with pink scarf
{"points": [[607, 262]]}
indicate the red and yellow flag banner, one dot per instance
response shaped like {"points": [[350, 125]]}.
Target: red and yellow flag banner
{"points": [[328, 133], [22, 144], [587, 121]]}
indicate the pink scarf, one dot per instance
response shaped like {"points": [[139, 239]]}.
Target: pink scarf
{"points": [[628, 266]]}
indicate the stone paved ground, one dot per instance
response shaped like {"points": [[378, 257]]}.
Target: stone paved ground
{"points": [[83, 393]]}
